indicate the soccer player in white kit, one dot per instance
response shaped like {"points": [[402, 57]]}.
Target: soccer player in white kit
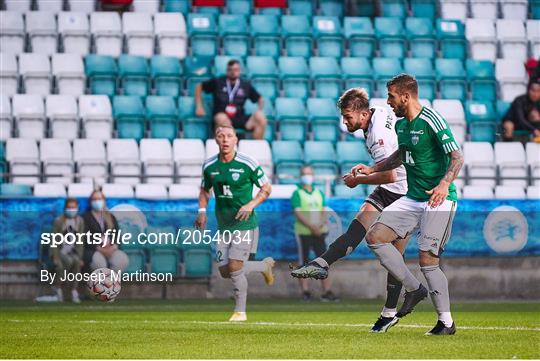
{"points": [[377, 123]]}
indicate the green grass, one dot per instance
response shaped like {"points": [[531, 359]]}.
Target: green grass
{"points": [[275, 329]]}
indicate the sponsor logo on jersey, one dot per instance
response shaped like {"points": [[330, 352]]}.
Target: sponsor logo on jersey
{"points": [[235, 170], [415, 139], [235, 176], [381, 142], [445, 137]]}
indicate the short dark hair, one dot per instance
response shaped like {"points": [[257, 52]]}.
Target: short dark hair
{"points": [[232, 62], [354, 99], [404, 83], [70, 200]]}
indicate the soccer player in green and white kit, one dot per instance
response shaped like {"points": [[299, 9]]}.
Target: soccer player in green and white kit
{"points": [[231, 175], [432, 159]]}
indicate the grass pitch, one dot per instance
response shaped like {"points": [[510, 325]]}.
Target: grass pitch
{"points": [[275, 329]]}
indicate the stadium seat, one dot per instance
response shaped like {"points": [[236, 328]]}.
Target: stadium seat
{"points": [[510, 74], [477, 192], [129, 116], [63, 115], [145, 6], [358, 73], [162, 116], [502, 108], [29, 115], [533, 160], [124, 161], [481, 77], [342, 191], [265, 35], [533, 192], [424, 8], [360, 36], [166, 73], [56, 157], [515, 9], [331, 8], [512, 38], [79, 190], [454, 9], [322, 157], [15, 190], [326, 76], [35, 71], [95, 112], [263, 73], [210, 148], [350, 154], [482, 120], [240, 7], [421, 37], [18, 5], [49, 190], [394, 8], [451, 36], [134, 75], [12, 33], [220, 64], [294, 74], [197, 261], [197, 69], [269, 112], [74, 30], [106, 29], [68, 71], [291, 115], [390, 34], [189, 156], [233, 30], [208, 9], [84, 6], [9, 74], [280, 191], [452, 78], [176, 6], [324, 119], [202, 30], [509, 192], [482, 39], [422, 69], [101, 72], [385, 69], [41, 31], [171, 34], [301, 7], [452, 111], [151, 191], [485, 9], [192, 125], [184, 191], [328, 35], [90, 159], [6, 123], [139, 32], [296, 32], [533, 35], [23, 157], [156, 157], [260, 151], [480, 162], [511, 161], [113, 190], [288, 159]]}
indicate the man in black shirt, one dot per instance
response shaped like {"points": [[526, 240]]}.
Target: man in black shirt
{"points": [[524, 114], [229, 95]]}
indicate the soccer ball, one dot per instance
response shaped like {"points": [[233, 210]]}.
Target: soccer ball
{"points": [[103, 286]]}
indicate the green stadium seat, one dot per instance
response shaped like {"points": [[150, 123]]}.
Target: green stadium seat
{"points": [[15, 190], [208, 10], [164, 261], [301, 7], [288, 159], [502, 108], [271, 11], [176, 6], [360, 36], [198, 263], [291, 115], [233, 30], [385, 69], [451, 35], [331, 8], [193, 126], [424, 8], [481, 77], [239, 7], [101, 72], [134, 74], [220, 64], [422, 69], [268, 110], [451, 76], [342, 191], [162, 116], [166, 72], [296, 31], [324, 118], [266, 35], [197, 69], [294, 73], [358, 73], [482, 120], [390, 34], [137, 260], [394, 8], [202, 30], [326, 76], [535, 9], [328, 34], [350, 154], [421, 37], [322, 157], [129, 115], [263, 72]]}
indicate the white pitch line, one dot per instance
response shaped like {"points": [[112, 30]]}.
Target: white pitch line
{"points": [[287, 324]]}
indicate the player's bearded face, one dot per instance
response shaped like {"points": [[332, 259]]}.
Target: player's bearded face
{"points": [[353, 120], [397, 103]]}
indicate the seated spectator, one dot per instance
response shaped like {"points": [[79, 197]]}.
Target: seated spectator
{"points": [[97, 220], [522, 121], [229, 95], [68, 257]]}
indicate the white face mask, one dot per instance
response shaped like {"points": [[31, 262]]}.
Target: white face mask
{"points": [[307, 179]]}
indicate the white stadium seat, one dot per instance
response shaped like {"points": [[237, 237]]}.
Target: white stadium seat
{"points": [[260, 150], [533, 35], [83, 6], [484, 9], [18, 5], [189, 156], [74, 30], [145, 6], [41, 30], [533, 160], [106, 29], [80, 190], [114, 190], [482, 39], [62, 112], [95, 112], [512, 38], [452, 111], [533, 192], [211, 148], [510, 158], [170, 29], [9, 74], [23, 157], [512, 78], [184, 191], [49, 190], [29, 115], [89, 155], [35, 71], [11, 32], [68, 70], [515, 9], [282, 191], [477, 192], [6, 119], [139, 31], [425, 102], [453, 9], [151, 191], [509, 192], [480, 161], [57, 159], [156, 157], [53, 6], [123, 156]]}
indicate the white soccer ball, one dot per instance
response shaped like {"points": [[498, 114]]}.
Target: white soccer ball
{"points": [[103, 286]]}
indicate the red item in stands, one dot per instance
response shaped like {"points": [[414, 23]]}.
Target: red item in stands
{"points": [[530, 66], [208, 2], [270, 3], [116, 2]]}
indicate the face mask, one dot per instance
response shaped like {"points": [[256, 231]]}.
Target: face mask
{"points": [[71, 212], [97, 205], [307, 179]]}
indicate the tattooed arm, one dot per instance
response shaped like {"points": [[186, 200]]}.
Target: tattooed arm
{"points": [[440, 192]]}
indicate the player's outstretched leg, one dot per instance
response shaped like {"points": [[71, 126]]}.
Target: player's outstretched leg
{"points": [[387, 318], [265, 267]]}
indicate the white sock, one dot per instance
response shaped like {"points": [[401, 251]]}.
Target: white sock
{"points": [[321, 262], [388, 312], [446, 318], [254, 266]]}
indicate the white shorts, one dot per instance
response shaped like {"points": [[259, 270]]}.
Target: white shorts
{"points": [[406, 215], [235, 245]]}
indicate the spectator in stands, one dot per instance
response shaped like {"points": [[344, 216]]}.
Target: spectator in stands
{"points": [[522, 120], [68, 257], [310, 227], [97, 220], [229, 95]]}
